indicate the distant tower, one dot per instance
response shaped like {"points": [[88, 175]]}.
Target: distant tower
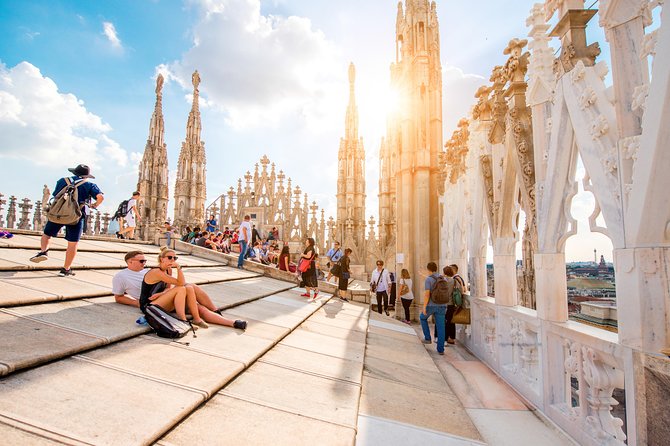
{"points": [[595, 257], [414, 134], [190, 188], [152, 181], [351, 223]]}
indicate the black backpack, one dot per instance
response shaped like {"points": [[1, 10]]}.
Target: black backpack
{"points": [[121, 211], [164, 324], [441, 293]]}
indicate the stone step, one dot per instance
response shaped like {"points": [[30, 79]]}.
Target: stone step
{"points": [[134, 391], [31, 335], [305, 390], [32, 242], [31, 287], [19, 260]]}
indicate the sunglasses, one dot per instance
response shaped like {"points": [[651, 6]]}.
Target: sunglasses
{"points": [[171, 257], [142, 261]]}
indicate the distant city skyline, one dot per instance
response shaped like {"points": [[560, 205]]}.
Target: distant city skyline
{"points": [[77, 85]]}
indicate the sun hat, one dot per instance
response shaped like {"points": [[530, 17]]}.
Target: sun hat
{"points": [[82, 171]]}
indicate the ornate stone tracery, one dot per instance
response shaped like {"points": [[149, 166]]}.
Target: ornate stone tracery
{"points": [[190, 188], [152, 182], [272, 204]]}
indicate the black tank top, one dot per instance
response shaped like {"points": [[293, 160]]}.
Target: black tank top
{"points": [[148, 290]]}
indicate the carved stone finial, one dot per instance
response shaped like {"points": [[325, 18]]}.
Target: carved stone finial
{"points": [[25, 206], [195, 78], [571, 29], [453, 160], [2, 203], [11, 212], [482, 110], [37, 216], [499, 79], [517, 64]]}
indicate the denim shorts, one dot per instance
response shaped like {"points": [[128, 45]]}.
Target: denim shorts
{"points": [[72, 232]]}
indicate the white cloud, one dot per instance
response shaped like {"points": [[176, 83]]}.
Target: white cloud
{"points": [[458, 96], [258, 69], [49, 128], [109, 31]]}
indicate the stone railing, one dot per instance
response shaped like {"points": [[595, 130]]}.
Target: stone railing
{"points": [[572, 372], [23, 214]]}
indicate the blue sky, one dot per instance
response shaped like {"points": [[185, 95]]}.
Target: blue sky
{"points": [[77, 85]]}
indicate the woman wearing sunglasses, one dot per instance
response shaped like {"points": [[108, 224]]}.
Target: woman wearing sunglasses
{"points": [[127, 288], [161, 288]]}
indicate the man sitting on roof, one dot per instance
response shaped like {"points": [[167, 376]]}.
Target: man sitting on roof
{"points": [[127, 285]]}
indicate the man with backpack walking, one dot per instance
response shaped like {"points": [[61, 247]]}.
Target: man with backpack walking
{"points": [[127, 212], [437, 295], [68, 208]]}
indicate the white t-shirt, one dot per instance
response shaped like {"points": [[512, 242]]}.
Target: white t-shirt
{"points": [[245, 224], [130, 216], [128, 282], [384, 282], [410, 294]]}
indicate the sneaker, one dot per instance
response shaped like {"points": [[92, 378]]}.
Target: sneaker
{"points": [[450, 341], [387, 313], [306, 295], [40, 257], [242, 325], [440, 353], [201, 324], [344, 299], [66, 272], [426, 341]]}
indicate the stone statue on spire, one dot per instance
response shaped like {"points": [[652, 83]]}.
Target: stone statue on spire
{"points": [[195, 78]]}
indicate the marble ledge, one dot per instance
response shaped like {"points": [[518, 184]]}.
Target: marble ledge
{"points": [[587, 334], [528, 314]]}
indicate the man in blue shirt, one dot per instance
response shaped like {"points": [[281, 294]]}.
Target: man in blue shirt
{"points": [[211, 224], [430, 307], [85, 191], [334, 254]]}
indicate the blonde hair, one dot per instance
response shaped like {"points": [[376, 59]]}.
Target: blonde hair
{"points": [[404, 274], [164, 253]]}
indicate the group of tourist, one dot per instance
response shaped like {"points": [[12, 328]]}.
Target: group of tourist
{"points": [[166, 286], [137, 286], [443, 308]]}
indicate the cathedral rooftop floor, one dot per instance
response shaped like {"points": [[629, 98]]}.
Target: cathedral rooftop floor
{"points": [[76, 369]]}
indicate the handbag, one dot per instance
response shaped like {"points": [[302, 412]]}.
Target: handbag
{"points": [[303, 265], [404, 289], [461, 316]]}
